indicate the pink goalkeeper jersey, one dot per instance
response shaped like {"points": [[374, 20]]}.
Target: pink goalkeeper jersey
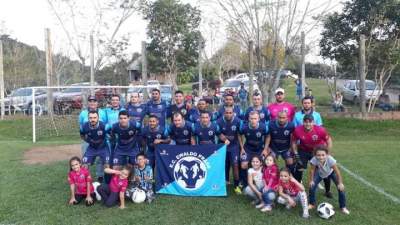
{"points": [[80, 180], [310, 139], [117, 184], [275, 108]]}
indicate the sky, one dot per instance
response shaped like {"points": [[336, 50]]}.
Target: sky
{"points": [[26, 20]]}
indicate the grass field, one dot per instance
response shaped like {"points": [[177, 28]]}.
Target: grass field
{"points": [[38, 194]]}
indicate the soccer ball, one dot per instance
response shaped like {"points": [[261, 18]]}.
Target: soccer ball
{"points": [[325, 210], [95, 185], [138, 196]]}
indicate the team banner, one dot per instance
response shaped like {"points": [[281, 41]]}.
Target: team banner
{"points": [[197, 170]]}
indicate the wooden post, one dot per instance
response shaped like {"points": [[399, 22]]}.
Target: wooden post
{"points": [[2, 106], [251, 65], [144, 70], [303, 64], [49, 72], [362, 76], [200, 65], [91, 64]]}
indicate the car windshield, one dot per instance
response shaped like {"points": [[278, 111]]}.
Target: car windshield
{"points": [[166, 89], [369, 85], [22, 92], [72, 90], [135, 90], [232, 83]]}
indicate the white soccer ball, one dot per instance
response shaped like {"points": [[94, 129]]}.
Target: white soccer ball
{"points": [[95, 185], [138, 196], [325, 210]]}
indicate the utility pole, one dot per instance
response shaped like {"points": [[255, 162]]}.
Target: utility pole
{"points": [[144, 69], [303, 64], [251, 43], [362, 76], [49, 73], [2, 106], [91, 64], [200, 65]]}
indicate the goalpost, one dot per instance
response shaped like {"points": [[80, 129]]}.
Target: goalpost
{"points": [[68, 102]]}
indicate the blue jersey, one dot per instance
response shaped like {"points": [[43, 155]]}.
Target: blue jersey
{"points": [[125, 137], [149, 135], [230, 129], [255, 137], [84, 116], [181, 135], [112, 116], [298, 118], [94, 136], [263, 112], [136, 112], [206, 134], [280, 135], [194, 115], [147, 171], [172, 109], [237, 112], [158, 109]]}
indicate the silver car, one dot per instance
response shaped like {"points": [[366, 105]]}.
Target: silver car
{"points": [[351, 90]]}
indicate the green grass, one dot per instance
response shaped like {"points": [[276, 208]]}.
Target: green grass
{"points": [[37, 194]]}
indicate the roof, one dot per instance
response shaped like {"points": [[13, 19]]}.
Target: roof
{"points": [[135, 65]]}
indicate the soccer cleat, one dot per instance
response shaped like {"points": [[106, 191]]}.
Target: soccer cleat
{"points": [[259, 206], [321, 187], [238, 190], [266, 208], [328, 194], [345, 211]]}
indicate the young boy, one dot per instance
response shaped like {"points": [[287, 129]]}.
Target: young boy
{"points": [[142, 178]]}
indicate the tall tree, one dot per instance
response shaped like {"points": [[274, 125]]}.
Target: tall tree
{"points": [[174, 35]]}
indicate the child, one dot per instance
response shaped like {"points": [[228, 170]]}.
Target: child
{"points": [[324, 166], [255, 182], [143, 176], [116, 189], [80, 183], [271, 181], [291, 191]]}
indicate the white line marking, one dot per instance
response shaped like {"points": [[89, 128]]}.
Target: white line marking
{"points": [[362, 180]]}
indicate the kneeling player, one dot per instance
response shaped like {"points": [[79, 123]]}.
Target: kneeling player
{"points": [[142, 178], [115, 191], [80, 183]]}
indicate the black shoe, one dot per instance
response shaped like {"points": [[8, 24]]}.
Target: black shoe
{"points": [[100, 180], [328, 194]]}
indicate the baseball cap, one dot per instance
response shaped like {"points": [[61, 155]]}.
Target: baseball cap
{"points": [[92, 98], [308, 117], [280, 90]]}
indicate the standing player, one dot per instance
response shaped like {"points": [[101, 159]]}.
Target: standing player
{"points": [[181, 131], [83, 118], [281, 105], [229, 102], [179, 106], [307, 109], [194, 113], [205, 132], [258, 106], [94, 133], [153, 134], [136, 110], [112, 113], [229, 128], [255, 133], [304, 139], [124, 133], [157, 107]]}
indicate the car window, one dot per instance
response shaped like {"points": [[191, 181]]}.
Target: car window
{"points": [[232, 83], [21, 92], [369, 85]]}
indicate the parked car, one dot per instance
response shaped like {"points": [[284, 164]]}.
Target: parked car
{"points": [[21, 99], [242, 76], [351, 90], [234, 86], [153, 84], [166, 92]]}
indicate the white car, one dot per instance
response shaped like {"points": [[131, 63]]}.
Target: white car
{"points": [[242, 76], [234, 85], [351, 90]]}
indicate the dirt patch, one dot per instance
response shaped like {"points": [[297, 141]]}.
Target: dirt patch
{"points": [[48, 154]]}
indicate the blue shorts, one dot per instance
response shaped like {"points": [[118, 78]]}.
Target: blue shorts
{"points": [[233, 153], [151, 156], [249, 153], [285, 154], [122, 157], [91, 153]]}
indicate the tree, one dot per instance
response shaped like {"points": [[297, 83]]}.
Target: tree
{"points": [[379, 21], [174, 35]]}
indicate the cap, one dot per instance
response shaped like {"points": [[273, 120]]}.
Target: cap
{"points": [[308, 117], [92, 98], [280, 90]]}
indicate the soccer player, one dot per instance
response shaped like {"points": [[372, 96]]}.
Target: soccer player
{"points": [[242, 94], [80, 183], [258, 106], [181, 131], [124, 133], [194, 113], [179, 106], [229, 130], [143, 177], [157, 107], [281, 105], [83, 118], [112, 113], [153, 134], [307, 109], [115, 191], [255, 133], [304, 139], [229, 102], [205, 132], [136, 110], [94, 133]]}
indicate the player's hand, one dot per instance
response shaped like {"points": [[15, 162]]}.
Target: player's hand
{"points": [[242, 152], [227, 142], [72, 201], [265, 152], [291, 202], [157, 141], [341, 186], [259, 195], [89, 200], [311, 184]]}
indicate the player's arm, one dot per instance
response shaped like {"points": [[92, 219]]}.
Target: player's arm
{"points": [[72, 199], [89, 199], [192, 140], [299, 185], [329, 144], [223, 138], [311, 175], [253, 187], [339, 177], [282, 194], [267, 142], [112, 171], [293, 141]]}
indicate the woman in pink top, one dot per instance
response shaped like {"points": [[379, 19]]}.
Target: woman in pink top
{"points": [[110, 194], [80, 183], [271, 181]]}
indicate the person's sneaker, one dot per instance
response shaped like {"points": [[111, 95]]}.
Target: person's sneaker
{"points": [[328, 194], [238, 190], [288, 206], [100, 179], [311, 206], [321, 187], [266, 208], [259, 206], [306, 215], [345, 211], [255, 202]]}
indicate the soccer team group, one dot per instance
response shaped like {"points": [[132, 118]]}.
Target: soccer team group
{"points": [[124, 138]]}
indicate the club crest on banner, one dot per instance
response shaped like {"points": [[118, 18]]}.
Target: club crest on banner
{"points": [[190, 172]]}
